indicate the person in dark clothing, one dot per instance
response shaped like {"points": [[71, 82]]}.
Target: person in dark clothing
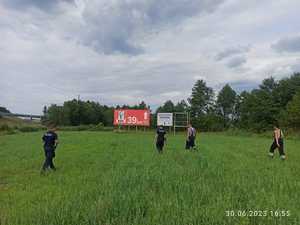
{"points": [[50, 140], [160, 138], [191, 137], [277, 143]]}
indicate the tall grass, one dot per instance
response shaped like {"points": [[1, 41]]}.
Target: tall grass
{"points": [[118, 178]]}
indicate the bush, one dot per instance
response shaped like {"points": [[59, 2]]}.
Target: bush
{"points": [[73, 128], [4, 127], [98, 127], [28, 129]]}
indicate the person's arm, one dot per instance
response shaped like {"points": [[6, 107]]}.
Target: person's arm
{"points": [[56, 141], [277, 134], [155, 138]]}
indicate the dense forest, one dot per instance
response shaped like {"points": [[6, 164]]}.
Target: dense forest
{"points": [[274, 101]]}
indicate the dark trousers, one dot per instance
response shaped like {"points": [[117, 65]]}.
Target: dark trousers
{"points": [[160, 145], [49, 154], [274, 146], [190, 143]]}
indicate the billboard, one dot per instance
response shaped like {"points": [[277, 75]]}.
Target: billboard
{"points": [[132, 117], [165, 119]]}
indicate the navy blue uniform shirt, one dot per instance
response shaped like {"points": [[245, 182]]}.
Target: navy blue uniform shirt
{"points": [[49, 139], [160, 134]]}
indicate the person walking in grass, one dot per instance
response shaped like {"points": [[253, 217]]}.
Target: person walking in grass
{"points": [[160, 138], [277, 143], [191, 137], [50, 140]]}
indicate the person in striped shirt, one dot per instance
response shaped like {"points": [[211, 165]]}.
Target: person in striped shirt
{"points": [[191, 137]]}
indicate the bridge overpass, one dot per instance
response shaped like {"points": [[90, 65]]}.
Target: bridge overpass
{"points": [[31, 117]]}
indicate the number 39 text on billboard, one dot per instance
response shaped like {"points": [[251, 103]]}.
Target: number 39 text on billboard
{"points": [[131, 117]]}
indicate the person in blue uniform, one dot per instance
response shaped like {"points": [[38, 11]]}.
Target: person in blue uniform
{"points": [[160, 138], [50, 140]]}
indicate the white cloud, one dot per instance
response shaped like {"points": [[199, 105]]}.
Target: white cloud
{"points": [[122, 52]]}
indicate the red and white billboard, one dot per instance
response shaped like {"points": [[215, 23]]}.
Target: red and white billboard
{"points": [[132, 117]]}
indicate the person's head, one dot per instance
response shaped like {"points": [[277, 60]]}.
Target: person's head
{"points": [[190, 125], [51, 127], [276, 126]]}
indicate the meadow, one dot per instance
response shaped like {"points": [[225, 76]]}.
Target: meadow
{"points": [[118, 178]]}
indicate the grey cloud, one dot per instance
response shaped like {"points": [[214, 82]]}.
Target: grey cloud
{"points": [[240, 86], [236, 61], [174, 10], [41, 4], [289, 44], [117, 26], [113, 26], [231, 52]]}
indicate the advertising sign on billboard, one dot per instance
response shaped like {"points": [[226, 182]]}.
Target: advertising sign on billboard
{"points": [[165, 119], [132, 117]]}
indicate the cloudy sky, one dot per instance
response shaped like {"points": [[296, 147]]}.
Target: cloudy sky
{"points": [[125, 51]]}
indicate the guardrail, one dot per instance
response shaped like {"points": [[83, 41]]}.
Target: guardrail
{"points": [[21, 115]]}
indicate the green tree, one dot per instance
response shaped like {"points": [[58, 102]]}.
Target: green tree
{"points": [[168, 106], [286, 89], [226, 103], [259, 109], [293, 112], [201, 100], [181, 106], [71, 112], [143, 105], [268, 85], [56, 114]]}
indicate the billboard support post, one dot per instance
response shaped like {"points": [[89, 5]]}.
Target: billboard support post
{"points": [[181, 120]]}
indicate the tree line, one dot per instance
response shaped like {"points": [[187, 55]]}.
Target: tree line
{"points": [[273, 101]]}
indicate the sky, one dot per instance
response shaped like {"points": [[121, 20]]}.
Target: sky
{"points": [[125, 51]]}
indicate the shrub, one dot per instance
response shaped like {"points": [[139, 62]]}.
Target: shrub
{"points": [[98, 127], [4, 127], [28, 129]]}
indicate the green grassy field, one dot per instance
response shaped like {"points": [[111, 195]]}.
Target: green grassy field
{"points": [[111, 178]]}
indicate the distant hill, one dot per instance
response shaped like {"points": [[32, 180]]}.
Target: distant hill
{"points": [[17, 122]]}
